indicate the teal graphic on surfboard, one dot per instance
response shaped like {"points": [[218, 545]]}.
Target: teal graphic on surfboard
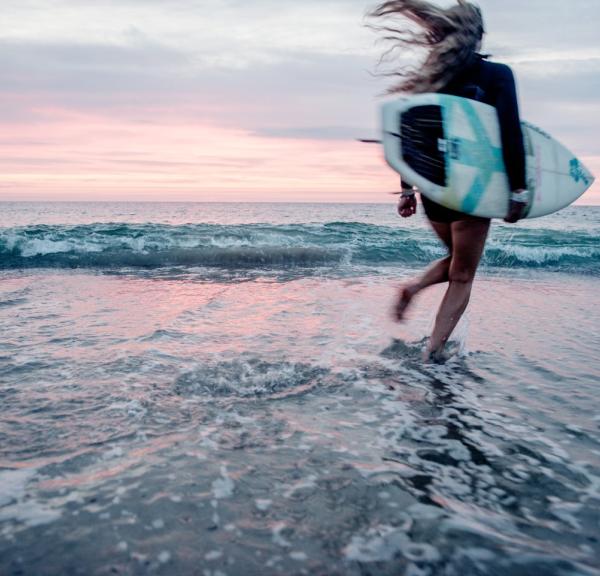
{"points": [[450, 148]]}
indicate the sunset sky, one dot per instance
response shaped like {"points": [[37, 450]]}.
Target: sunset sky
{"points": [[255, 100]]}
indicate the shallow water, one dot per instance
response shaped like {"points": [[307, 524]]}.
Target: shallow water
{"points": [[267, 417]]}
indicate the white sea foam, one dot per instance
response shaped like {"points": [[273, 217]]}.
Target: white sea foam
{"points": [[379, 544], [277, 537], [539, 254], [223, 487], [248, 377], [20, 505], [307, 483], [13, 484], [263, 504]]}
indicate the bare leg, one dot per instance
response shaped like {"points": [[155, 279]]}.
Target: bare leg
{"points": [[468, 241], [435, 274]]}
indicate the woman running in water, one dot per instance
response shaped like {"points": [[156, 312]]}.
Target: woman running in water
{"points": [[454, 66]]}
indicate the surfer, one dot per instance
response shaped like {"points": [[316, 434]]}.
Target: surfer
{"points": [[454, 65]]}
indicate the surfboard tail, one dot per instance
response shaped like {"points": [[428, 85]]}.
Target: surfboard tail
{"points": [[581, 175], [589, 175]]}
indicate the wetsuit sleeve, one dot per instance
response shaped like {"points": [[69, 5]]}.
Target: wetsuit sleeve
{"points": [[513, 148]]}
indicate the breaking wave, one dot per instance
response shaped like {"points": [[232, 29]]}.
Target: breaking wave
{"points": [[261, 246]]}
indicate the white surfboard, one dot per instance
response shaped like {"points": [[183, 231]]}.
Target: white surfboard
{"points": [[450, 149]]}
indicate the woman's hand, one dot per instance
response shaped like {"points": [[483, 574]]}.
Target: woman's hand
{"points": [[516, 211], [407, 206], [517, 208]]}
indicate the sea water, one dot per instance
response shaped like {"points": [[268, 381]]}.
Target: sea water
{"points": [[220, 389]]}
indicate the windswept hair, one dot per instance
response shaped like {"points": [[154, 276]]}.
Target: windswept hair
{"points": [[449, 35]]}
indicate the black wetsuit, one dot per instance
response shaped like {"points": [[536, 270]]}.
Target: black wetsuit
{"points": [[493, 84]]}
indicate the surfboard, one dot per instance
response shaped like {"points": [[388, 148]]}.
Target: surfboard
{"points": [[450, 149]]}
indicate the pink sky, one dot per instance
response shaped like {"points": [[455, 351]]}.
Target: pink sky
{"points": [[73, 156], [85, 157], [256, 101]]}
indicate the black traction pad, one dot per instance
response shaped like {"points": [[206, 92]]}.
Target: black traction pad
{"points": [[423, 142]]}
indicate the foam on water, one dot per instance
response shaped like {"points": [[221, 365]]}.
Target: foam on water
{"points": [[249, 377], [334, 245], [18, 506]]}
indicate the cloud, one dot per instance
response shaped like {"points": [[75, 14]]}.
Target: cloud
{"points": [[299, 92], [82, 67], [313, 132], [301, 95]]}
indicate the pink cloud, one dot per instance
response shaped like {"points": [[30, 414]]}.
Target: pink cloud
{"points": [[60, 154], [68, 155]]}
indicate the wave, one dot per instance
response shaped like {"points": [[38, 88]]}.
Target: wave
{"points": [[264, 247]]}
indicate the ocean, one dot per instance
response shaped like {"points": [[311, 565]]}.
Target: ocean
{"points": [[219, 389]]}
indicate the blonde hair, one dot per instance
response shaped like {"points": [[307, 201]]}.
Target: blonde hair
{"points": [[451, 36]]}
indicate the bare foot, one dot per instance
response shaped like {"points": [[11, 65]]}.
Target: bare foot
{"points": [[406, 295], [434, 356]]}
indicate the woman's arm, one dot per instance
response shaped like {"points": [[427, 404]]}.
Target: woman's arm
{"points": [[513, 148], [511, 133]]}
